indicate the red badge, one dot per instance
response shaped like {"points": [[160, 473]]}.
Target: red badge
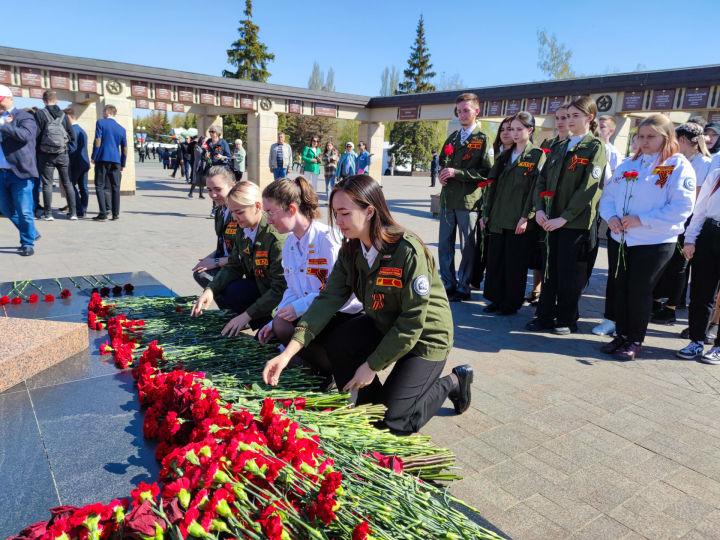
{"points": [[318, 262], [321, 274], [387, 271]]}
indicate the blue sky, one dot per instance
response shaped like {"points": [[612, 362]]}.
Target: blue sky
{"points": [[479, 41]]}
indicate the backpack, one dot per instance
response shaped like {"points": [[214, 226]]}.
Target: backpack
{"points": [[54, 138]]}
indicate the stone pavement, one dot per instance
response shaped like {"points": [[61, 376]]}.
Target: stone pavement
{"points": [[560, 440]]}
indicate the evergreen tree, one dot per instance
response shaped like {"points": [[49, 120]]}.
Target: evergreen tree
{"points": [[166, 127], [330, 80], [418, 74], [248, 54], [316, 78]]}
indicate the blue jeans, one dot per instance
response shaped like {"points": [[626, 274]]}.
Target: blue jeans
{"points": [[79, 182], [16, 202], [187, 170], [279, 172]]}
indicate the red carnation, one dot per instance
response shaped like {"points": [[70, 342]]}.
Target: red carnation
{"points": [[49, 298], [630, 175], [485, 183], [361, 531], [15, 301], [548, 194], [65, 293], [33, 298], [448, 149], [104, 291], [129, 288], [546, 150], [5, 300], [178, 309]]}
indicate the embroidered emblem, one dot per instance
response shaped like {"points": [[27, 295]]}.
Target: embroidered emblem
{"points": [[389, 282], [421, 285], [321, 274], [477, 144], [689, 184], [529, 165], [378, 301], [386, 256], [663, 174], [261, 253], [259, 272], [246, 251], [317, 261], [387, 271], [596, 172], [261, 262], [231, 228], [575, 161], [467, 155]]}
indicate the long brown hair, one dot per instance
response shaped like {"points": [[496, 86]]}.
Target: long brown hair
{"points": [[664, 127], [298, 192]]}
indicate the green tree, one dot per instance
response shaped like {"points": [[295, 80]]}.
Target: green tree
{"points": [[330, 80], [450, 82], [248, 54], [317, 78], [389, 81], [299, 129], [190, 121], [418, 74], [235, 127], [165, 126], [553, 57]]}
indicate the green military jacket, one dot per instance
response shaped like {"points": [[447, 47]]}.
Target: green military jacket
{"points": [[574, 177], [401, 293], [225, 229], [261, 259], [471, 162], [511, 195]]}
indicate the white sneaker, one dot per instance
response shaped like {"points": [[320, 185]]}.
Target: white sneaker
{"points": [[605, 328], [73, 218], [47, 218], [711, 357]]}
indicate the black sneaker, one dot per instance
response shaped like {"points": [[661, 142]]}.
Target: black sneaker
{"points": [[26, 251], [538, 325], [685, 334], [460, 396], [664, 316], [100, 218], [491, 308], [460, 296]]}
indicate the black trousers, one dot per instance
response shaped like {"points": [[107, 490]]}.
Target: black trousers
{"points": [[566, 277], [610, 283], [636, 279], [507, 267], [706, 277], [107, 186], [672, 281], [47, 163], [479, 259], [240, 295], [412, 393], [204, 278]]}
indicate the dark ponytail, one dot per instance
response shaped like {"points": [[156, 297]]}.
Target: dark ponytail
{"points": [[298, 192], [587, 105]]}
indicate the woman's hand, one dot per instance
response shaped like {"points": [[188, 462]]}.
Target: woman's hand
{"points": [[202, 303], [553, 224], [689, 251], [208, 263], [287, 313], [615, 225], [265, 333], [236, 324], [274, 367], [521, 226], [364, 375], [628, 222], [541, 218]]}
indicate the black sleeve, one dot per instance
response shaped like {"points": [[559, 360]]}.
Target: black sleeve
{"points": [[69, 129]]}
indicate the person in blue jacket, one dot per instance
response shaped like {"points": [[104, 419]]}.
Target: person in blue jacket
{"points": [[363, 159], [109, 155], [347, 166], [79, 164]]}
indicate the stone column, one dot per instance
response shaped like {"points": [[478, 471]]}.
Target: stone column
{"points": [[622, 133], [205, 121], [124, 118], [373, 133], [261, 134]]}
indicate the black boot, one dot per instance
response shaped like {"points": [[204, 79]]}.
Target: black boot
{"points": [[460, 395]]}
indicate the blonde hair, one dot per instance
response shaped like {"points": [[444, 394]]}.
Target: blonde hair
{"points": [[664, 127], [245, 193]]}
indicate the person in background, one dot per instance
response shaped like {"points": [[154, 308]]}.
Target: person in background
{"points": [[311, 158], [391, 164], [79, 164], [200, 167], [280, 157], [434, 167], [109, 155], [218, 150], [699, 120], [141, 153], [606, 129], [634, 146], [363, 159], [645, 205], [186, 157], [238, 160], [178, 154], [18, 169], [503, 138], [55, 134], [330, 159], [712, 137], [347, 166]]}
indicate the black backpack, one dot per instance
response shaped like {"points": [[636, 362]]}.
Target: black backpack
{"points": [[54, 138]]}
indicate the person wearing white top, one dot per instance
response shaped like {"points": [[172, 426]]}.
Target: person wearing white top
{"points": [[606, 128], [308, 257], [645, 206], [702, 244]]}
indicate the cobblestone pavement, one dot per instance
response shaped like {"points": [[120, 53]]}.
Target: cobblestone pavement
{"points": [[560, 441]]}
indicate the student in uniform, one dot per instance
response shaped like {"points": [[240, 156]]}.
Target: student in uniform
{"points": [[503, 139], [219, 182], [308, 257], [646, 215], [508, 217], [572, 172], [407, 322], [252, 282], [561, 128]]}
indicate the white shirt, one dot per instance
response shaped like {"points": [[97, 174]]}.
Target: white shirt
{"points": [[613, 158], [707, 206], [661, 209], [465, 133], [250, 234], [573, 141], [701, 165], [514, 156], [307, 263], [369, 254]]}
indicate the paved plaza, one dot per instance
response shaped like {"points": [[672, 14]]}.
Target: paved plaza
{"points": [[560, 441]]}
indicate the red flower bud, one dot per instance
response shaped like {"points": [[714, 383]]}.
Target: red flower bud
{"points": [[4, 301], [15, 301], [178, 309], [49, 298], [448, 149], [32, 299], [65, 293]]}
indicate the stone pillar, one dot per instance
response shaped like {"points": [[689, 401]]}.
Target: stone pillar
{"points": [[261, 134], [373, 133], [87, 115], [622, 133], [205, 121], [124, 118]]}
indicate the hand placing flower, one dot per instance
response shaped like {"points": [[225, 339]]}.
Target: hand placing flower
{"points": [[236, 325], [364, 375]]}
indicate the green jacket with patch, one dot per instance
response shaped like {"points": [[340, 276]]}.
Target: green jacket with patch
{"points": [[261, 259], [472, 163], [574, 177], [401, 293], [511, 195], [225, 229]]}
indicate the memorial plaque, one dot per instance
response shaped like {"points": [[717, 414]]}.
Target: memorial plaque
{"points": [[5, 75], [207, 98], [715, 116], [408, 113], [139, 89], [294, 106], [513, 106], [554, 103], [662, 99], [186, 94], [142, 104], [161, 106], [534, 105], [60, 80], [163, 91], [325, 110], [30, 77], [178, 107], [227, 100], [16, 91], [696, 98], [36, 93], [494, 108], [633, 101], [246, 101], [87, 83]]}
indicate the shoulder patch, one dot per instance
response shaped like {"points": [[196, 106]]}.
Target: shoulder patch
{"points": [[421, 285], [596, 172], [689, 184]]}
